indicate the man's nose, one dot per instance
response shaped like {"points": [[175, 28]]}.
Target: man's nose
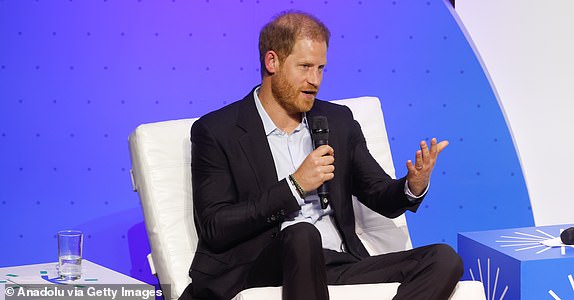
{"points": [[314, 77]]}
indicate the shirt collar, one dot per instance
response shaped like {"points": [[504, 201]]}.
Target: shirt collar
{"points": [[268, 124]]}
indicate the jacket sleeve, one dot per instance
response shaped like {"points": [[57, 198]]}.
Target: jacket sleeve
{"points": [[225, 214], [371, 184]]}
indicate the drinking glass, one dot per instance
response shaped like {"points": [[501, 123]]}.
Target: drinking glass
{"points": [[70, 254]]}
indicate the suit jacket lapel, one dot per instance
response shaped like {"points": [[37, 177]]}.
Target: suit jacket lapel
{"points": [[254, 143]]}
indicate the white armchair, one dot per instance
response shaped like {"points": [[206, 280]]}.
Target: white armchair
{"points": [[161, 173]]}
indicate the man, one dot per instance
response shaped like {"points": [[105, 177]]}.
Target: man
{"points": [[255, 176]]}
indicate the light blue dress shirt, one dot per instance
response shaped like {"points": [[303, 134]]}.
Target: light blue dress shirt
{"points": [[289, 151]]}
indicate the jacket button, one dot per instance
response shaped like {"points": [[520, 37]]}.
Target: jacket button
{"points": [[274, 235]]}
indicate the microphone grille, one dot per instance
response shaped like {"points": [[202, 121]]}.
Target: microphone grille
{"points": [[319, 123]]}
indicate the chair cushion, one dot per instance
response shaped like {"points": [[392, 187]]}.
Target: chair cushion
{"points": [[376, 291], [464, 290], [161, 165]]}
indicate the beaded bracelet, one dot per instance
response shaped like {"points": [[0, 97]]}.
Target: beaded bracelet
{"points": [[298, 187]]}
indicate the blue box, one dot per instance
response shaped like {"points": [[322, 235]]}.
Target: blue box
{"points": [[513, 264]]}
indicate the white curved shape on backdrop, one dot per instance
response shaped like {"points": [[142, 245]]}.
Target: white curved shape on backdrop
{"points": [[527, 48]]}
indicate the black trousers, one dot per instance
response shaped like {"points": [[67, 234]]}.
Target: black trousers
{"points": [[297, 262]]}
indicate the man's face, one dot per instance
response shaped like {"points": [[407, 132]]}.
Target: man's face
{"points": [[297, 80]]}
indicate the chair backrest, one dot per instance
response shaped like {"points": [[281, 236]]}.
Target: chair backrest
{"points": [[161, 173]]}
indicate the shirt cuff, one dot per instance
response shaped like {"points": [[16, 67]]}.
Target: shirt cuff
{"points": [[411, 196], [294, 191]]}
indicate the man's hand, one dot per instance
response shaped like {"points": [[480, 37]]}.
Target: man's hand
{"points": [[316, 168], [419, 173]]}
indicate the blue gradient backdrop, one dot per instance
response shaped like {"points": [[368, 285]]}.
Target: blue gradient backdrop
{"points": [[76, 77]]}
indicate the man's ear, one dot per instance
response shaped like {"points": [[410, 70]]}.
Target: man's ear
{"points": [[271, 62]]}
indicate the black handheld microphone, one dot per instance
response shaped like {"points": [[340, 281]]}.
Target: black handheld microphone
{"points": [[567, 236], [320, 136]]}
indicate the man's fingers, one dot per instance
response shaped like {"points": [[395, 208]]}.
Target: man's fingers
{"points": [[410, 166], [442, 145], [324, 150], [436, 147], [424, 151], [328, 176], [326, 160], [316, 168], [327, 169], [433, 148], [419, 159], [425, 159]]}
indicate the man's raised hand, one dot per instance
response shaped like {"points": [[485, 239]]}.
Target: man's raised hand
{"points": [[419, 173]]}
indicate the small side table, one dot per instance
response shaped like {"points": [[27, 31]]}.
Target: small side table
{"points": [[517, 264], [46, 274]]}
